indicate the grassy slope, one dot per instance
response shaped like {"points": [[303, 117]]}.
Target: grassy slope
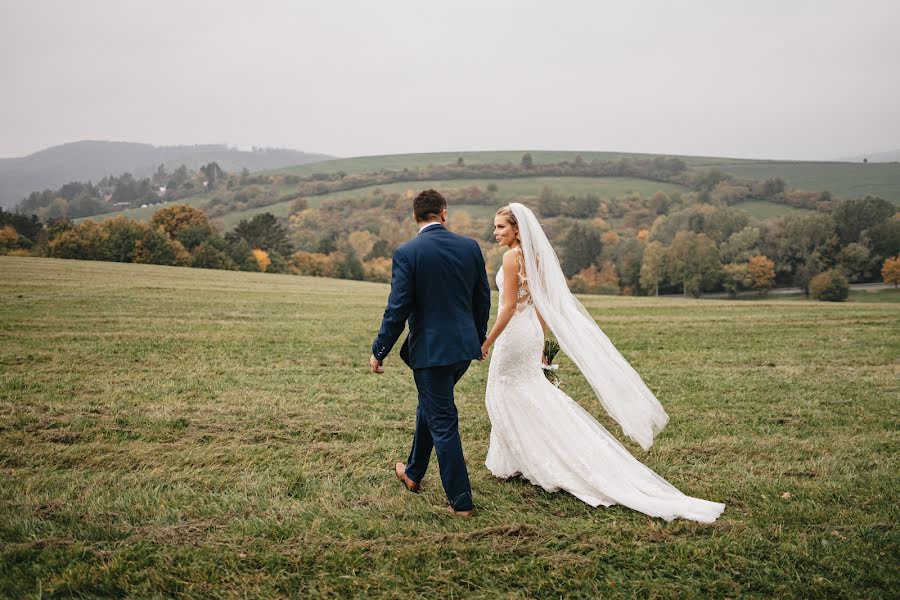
{"points": [[603, 187], [171, 431], [843, 179]]}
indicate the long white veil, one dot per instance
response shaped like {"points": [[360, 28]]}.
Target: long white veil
{"points": [[621, 391]]}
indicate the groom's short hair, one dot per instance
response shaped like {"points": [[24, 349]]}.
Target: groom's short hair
{"points": [[428, 204]]}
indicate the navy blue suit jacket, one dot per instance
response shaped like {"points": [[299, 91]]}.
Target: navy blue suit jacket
{"points": [[439, 284]]}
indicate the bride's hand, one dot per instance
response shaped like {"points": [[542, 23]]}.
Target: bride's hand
{"points": [[485, 350]]}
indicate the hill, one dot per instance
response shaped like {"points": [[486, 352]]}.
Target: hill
{"points": [[888, 156], [201, 433], [93, 160], [841, 179]]}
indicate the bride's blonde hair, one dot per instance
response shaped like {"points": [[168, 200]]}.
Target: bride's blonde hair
{"points": [[507, 213]]}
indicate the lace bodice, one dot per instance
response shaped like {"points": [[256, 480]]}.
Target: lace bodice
{"points": [[523, 297]]}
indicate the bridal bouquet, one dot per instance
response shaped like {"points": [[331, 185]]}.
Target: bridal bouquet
{"points": [[550, 350]]}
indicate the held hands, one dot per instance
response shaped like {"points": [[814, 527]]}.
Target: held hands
{"points": [[485, 350], [375, 364]]}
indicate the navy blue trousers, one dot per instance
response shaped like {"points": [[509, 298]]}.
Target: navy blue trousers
{"points": [[437, 426]]}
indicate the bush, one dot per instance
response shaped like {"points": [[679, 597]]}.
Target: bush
{"points": [[830, 286], [207, 256]]}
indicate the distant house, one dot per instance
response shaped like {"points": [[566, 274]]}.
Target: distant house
{"points": [[161, 191]]}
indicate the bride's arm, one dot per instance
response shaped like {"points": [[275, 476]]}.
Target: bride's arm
{"points": [[510, 289]]}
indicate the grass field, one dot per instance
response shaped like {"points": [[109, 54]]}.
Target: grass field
{"points": [[180, 432]]}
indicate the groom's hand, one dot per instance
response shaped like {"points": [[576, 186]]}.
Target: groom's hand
{"points": [[375, 364]]}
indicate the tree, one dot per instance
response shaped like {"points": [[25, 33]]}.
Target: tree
{"points": [[582, 246], [9, 238], [890, 270], [121, 236], [608, 275], [362, 242], [347, 265], [830, 286], [884, 239], [855, 259], [262, 259], [736, 278], [653, 267], [740, 245], [207, 256], [161, 177], [693, 262], [213, 173], [176, 217], [527, 161], [761, 270], [84, 241], [852, 217], [157, 248], [627, 256], [263, 231]]}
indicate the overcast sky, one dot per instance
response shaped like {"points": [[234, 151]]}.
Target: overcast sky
{"points": [[757, 78]]}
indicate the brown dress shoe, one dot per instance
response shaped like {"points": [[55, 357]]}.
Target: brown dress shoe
{"points": [[461, 513], [400, 470]]}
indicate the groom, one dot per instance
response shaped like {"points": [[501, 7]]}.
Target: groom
{"points": [[439, 283]]}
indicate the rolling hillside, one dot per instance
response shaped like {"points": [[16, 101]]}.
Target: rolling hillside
{"points": [[842, 179], [93, 160]]}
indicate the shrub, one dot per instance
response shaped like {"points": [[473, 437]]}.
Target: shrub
{"points": [[830, 286]]}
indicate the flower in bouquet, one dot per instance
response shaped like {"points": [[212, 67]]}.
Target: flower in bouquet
{"points": [[551, 348]]}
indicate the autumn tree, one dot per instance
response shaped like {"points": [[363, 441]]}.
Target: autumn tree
{"points": [[890, 270], [9, 238], [173, 219], [761, 270], [830, 286], [262, 259]]}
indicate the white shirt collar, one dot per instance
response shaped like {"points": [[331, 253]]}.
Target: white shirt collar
{"points": [[422, 228]]}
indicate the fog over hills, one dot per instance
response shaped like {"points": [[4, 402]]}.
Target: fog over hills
{"points": [[92, 160]]}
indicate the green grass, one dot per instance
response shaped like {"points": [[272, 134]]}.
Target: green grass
{"points": [[886, 295], [763, 209], [845, 180], [180, 432]]}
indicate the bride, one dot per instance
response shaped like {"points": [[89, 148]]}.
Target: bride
{"points": [[537, 431]]}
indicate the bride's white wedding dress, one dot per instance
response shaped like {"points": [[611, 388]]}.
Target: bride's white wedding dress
{"points": [[541, 433]]}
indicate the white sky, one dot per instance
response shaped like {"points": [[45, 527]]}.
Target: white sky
{"points": [[757, 78]]}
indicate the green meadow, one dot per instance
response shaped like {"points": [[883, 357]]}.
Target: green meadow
{"points": [[175, 432]]}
